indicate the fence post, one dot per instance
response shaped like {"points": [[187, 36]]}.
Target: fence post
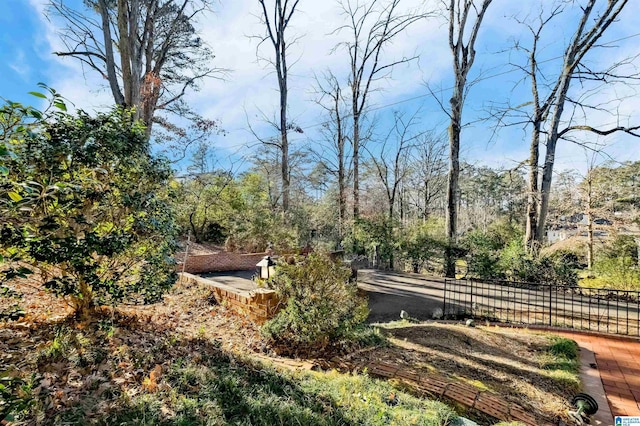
{"points": [[550, 303], [471, 305], [444, 300]]}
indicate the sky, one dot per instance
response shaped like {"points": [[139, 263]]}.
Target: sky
{"points": [[28, 37]]}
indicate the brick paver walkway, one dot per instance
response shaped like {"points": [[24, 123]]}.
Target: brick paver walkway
{"points": [[618, 362]]}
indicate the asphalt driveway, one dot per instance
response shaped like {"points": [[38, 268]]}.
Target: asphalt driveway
{"points": [[391, 292]]}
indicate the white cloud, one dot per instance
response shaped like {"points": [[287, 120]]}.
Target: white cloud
{"points": [[251, 86], [21, 66]]}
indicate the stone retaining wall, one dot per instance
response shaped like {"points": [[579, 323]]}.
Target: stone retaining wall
{"points": [[259, 305]]}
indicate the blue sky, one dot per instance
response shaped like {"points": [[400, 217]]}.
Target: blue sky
{"points": [[27, 40], [21, 63]]}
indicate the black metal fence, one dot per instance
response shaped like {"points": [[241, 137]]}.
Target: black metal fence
{"points": [[603, 310]]}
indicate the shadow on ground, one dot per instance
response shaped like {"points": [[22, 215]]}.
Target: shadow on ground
{"points": [[516, 365]]}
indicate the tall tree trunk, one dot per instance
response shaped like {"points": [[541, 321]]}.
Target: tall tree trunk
{"points": [[463, 58], [286, 191], [452, 187], [532, 199], [276, 28], [342, 187], [356, 164], [125, 52], [590, 222], [284, 93], [550, 156], [110, 63], [427, 196]]}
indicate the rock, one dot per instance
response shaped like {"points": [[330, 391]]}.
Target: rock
{"points": [[471, 323], [461, 421], [404, 315], [437, 313]]}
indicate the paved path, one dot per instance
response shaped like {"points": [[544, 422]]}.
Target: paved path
{"points": [[618, 364], [389, 293]]}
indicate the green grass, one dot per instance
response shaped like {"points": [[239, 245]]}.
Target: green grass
{"points": [[362, 336], [561, 361], [402, 323], [206, 386], [224, 392]]}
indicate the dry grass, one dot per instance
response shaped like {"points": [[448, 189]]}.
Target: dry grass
{"points": [[180, 362], [87, 369], [515, 364]]}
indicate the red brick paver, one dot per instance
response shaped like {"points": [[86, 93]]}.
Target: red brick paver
{"points": [[618, 362]]}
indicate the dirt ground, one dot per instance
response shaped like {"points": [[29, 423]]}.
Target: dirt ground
{"points": [[509, 363]]}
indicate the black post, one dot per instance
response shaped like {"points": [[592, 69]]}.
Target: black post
{"points": [[444, 300], [550, 303], [471, 306]]}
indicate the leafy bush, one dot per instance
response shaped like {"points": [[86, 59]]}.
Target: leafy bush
{"points": [[85, 202], [16, 395], [483, 254], [565, 266], [321, 306], [486, 250], [558, 268], [253, 222], [374, 235], [421, 244], [617, 266], [624, 250]]}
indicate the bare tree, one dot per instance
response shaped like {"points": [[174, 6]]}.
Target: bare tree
{"points": [[149, 51], [596, 184], [392, 161], [276, 18], [584, 39], [550, 98], [588, 183], [464, 16], [429, 173], [372, 26], [541, 106], [334, 157]]}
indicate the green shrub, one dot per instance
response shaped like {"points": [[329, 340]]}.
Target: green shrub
{"points": [[16, 395], [422, 243], [483, 254], [558, 268], [321, 306], [613, 273], [617, 267], [565, 348], [565, 266], [623, 248], [374, 235], [90, 207]]}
